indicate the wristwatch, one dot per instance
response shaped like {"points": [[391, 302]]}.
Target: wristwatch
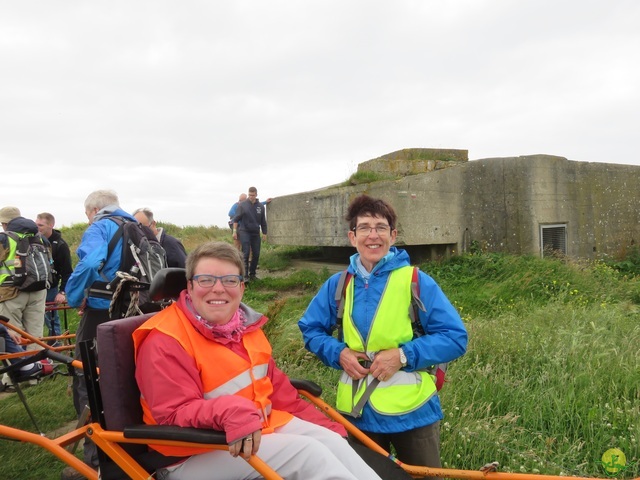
{"points": [[403, 358]]}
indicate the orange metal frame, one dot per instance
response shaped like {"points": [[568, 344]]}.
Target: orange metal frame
{"points": [[109, 442]]}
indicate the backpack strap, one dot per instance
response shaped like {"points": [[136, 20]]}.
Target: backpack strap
{"points": [[341, 288], [112, 243], [437, 371], [416, 305], [116, 236]]}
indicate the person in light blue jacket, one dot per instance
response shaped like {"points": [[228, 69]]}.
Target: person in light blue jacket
{"points": [[385, 388], [93, 266]]}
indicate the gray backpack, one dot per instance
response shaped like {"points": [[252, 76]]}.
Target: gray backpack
{"points": [[32, 264]]}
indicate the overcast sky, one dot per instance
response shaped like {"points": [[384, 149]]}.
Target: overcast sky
{"points": [[182, 105]]}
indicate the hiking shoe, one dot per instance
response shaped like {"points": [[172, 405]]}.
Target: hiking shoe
{"points": [[37, 370], [7, 387], [70, 473]]}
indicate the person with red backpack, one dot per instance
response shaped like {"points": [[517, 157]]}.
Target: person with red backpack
{"points": [[386, 388]]}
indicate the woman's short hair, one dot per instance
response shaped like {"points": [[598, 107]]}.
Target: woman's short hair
{"points": [[219, 250], [366, 205]]}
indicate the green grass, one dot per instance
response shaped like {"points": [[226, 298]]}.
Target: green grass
{"points": [[359, 178], [550, 381]]}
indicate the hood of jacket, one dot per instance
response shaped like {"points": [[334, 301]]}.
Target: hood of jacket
{"points": [[112, 211], [22, 225], [394, 259], [56, 236]]}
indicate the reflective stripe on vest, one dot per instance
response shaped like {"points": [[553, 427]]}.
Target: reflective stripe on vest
{"points": [[241, 377], [391, 327], [239, 382], [7, 268]]}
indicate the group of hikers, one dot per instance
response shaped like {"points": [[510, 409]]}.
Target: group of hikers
{"points": [[382, 322]]}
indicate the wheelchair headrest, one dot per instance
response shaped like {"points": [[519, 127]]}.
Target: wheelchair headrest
{"points": [[167, 284]]}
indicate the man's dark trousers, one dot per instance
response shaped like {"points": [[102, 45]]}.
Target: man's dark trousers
{"points": [[250, 248]]}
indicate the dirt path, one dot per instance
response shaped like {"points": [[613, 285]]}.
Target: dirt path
{"points": [[318, 266]]}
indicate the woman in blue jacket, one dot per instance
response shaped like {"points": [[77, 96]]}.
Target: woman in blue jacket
{"points": [[385, 388]]}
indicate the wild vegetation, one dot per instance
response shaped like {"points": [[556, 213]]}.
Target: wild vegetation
{"points": [[551, 379]]}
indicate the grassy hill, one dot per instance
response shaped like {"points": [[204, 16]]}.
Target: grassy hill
{"points": [[551, 379]]}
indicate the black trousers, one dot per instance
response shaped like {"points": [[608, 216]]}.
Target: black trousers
{"points": [[420, 446], [250, 248], [386, 468]]}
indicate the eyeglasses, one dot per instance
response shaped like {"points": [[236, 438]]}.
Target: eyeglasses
{"points": [[366, 229], [208, 281]]}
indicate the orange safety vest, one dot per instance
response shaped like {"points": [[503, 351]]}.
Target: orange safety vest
{"points": [[247, 379]]}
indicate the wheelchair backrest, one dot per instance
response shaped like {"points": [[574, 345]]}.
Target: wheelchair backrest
{"points": [[118, 387]]}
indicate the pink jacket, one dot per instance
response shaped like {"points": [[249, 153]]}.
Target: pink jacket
{"points": [[171, 386]]}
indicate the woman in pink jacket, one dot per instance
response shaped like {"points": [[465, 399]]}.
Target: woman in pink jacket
{"points": [[204, 362]]}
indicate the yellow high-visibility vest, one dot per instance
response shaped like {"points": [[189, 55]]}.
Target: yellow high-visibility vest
{"points": [[7, 268], [391, 327]]}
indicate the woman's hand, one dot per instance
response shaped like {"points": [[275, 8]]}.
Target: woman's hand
{"points": [[350, 363], [385, 364], [247, 446]]}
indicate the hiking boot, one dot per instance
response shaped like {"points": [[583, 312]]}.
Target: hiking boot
{"points": [[37, 371], [70, 473]]}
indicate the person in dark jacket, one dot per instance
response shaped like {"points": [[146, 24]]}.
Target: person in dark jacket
{"points": [[176, 253], [62, 269], [250, 218]]}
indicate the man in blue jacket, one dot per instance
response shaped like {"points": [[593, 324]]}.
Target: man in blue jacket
{"points": [[385, 388], [93, 266]]}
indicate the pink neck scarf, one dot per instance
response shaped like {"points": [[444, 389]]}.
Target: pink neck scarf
{"points": [[232, 330]]}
